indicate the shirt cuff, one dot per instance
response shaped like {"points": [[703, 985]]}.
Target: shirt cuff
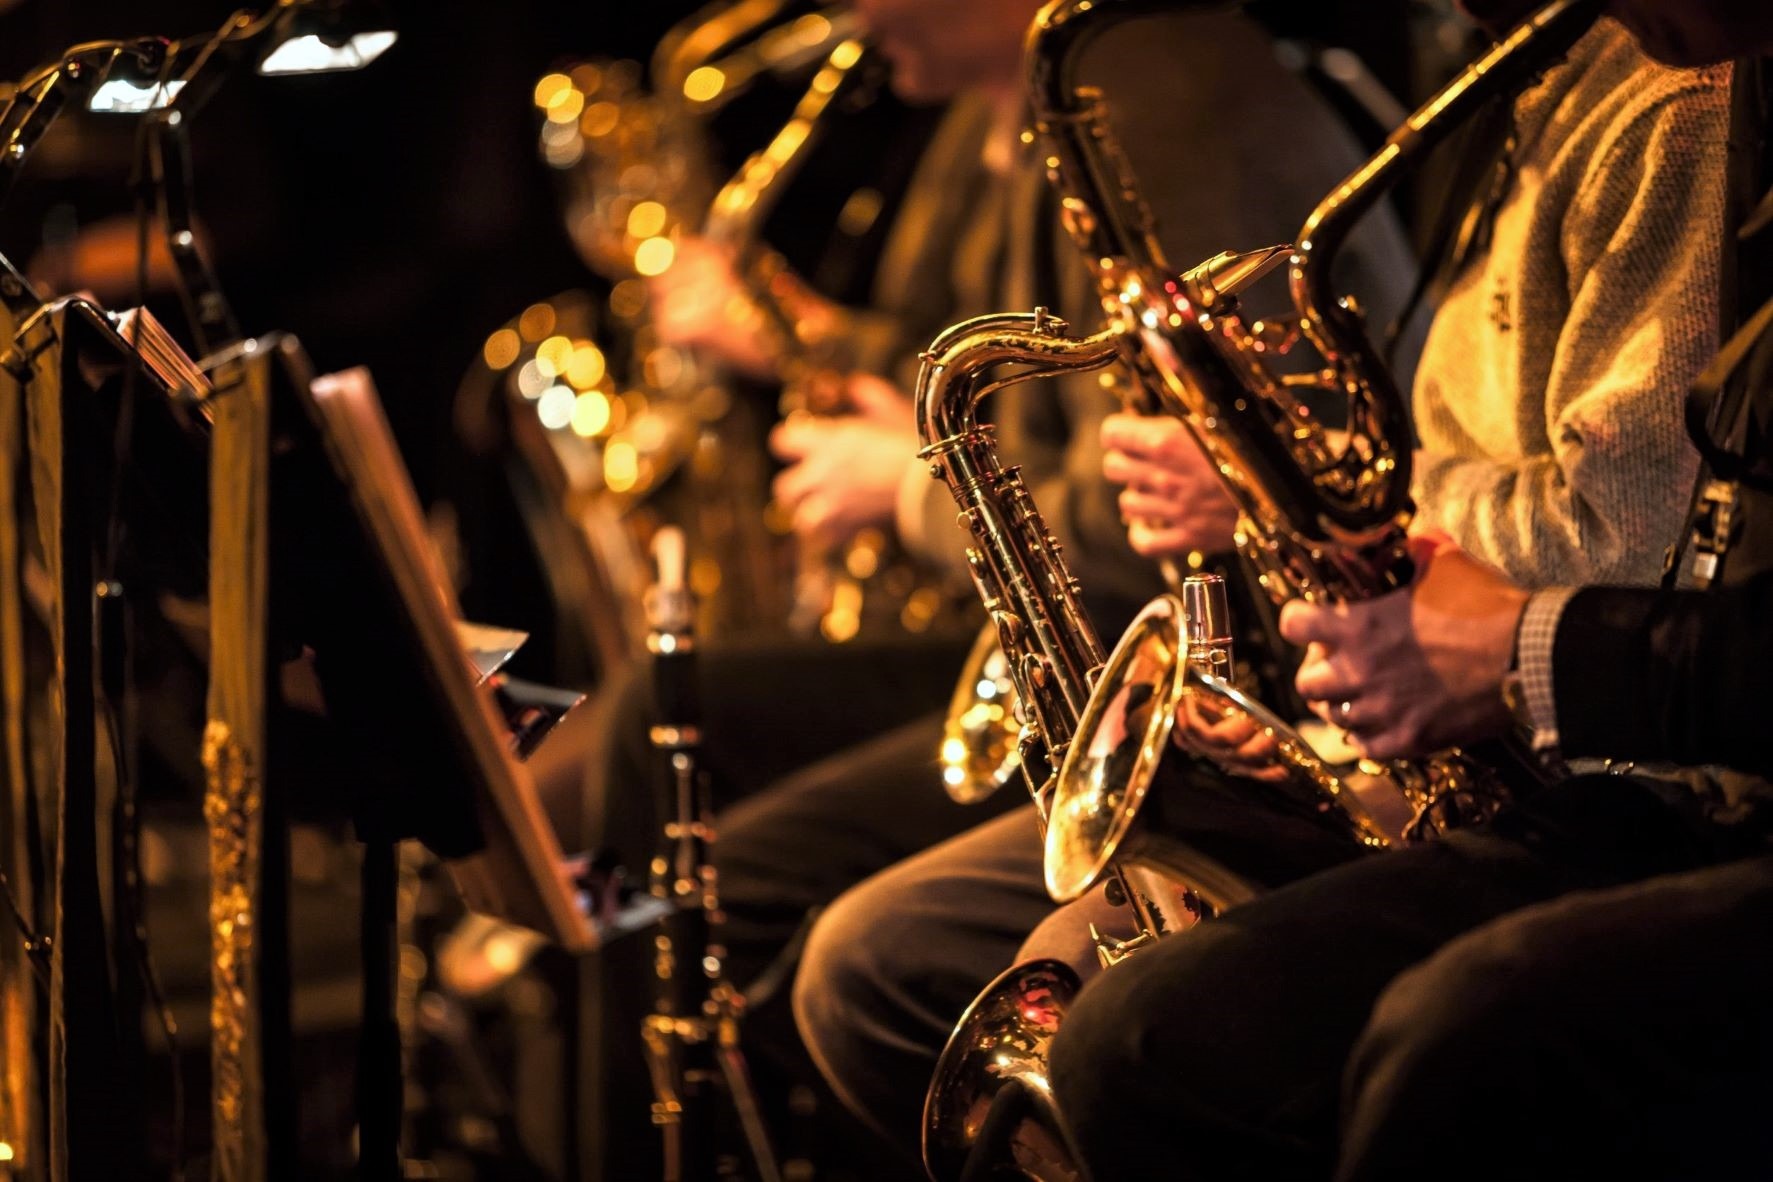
{"points": [[1534, 641]]}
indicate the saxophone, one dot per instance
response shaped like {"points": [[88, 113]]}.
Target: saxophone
{"points": [[622, 431], [1320, 521], [832, 592]]}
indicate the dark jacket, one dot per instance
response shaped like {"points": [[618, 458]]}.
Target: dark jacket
{"points": [[1687, 676]]}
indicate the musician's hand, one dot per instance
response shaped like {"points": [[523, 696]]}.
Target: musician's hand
{"points": [[1228, 737], [844, 470], [1173, 501], [699, 303], [1417, 670]]}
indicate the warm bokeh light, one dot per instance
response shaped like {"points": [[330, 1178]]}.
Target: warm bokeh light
{"points": [[621, 466], [627, 299], [600, 119], [654, 256], [586, 366], [647, 220], [502, 348], [531, 381], [587, 76], [555, 407], [663, 368], [704, 84], [536, 322], [860, 212], [553, 355], [551, 89], [567, 110], [590, 414], [705, 576]]}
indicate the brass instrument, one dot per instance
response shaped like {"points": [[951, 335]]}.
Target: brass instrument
{"points": [[605, 416], [738, 212], [1322, 520], [1052, 653], [830, 590], [637, 160]]}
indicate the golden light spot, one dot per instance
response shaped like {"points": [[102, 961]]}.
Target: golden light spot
{"points": [[536, 322], [621, 466], [553, 355], [654, 256], [627, 300], [502, 348], [568, 109], [860, 212], [587, 76], [555, 407], [663, 368], [600, 119], [550, 90], [647, 219], [704, 84], [590, 414], [704, 575], [586, 366], [531, 381], [503, 956]]}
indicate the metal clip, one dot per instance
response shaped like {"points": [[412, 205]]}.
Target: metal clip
{"points": [[1714, 530]]}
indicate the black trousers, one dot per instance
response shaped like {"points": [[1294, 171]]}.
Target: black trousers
{"points": [[823, 761], [1583, 989], [892, 965]]}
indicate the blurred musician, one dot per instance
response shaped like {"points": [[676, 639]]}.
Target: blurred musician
{"points": [[1198, 101], [1579, 988], [822, 754]]}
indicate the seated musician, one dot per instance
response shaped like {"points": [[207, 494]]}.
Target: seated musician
{"points": [[1548, 404], [979, 234], [1578, 988]]}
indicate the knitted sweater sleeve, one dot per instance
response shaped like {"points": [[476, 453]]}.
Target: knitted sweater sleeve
{"points": [[1641, 242]]}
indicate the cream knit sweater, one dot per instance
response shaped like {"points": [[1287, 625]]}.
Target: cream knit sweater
{"points": [[1548, 400]]}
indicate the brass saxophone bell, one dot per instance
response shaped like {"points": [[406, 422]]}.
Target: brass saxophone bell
{"points": [[981, 737], [991, 1094], [1163, 702]]}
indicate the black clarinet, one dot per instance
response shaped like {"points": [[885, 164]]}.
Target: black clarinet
{"points": [[692, 1035]]}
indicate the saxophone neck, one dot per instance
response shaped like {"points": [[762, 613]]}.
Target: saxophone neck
{"points": [[1510, 66], [708, 32], [746, 201], [959, 369]]}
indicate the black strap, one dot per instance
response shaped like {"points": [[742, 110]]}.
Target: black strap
{"points": [[1718, 404], [1475, 186]]}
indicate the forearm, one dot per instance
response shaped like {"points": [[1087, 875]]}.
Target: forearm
{"points": [[1596, 519]]}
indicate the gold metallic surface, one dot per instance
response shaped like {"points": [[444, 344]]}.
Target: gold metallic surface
{"points": [[1052, 655], [1324, 517], [43, 416], [233, 744], [1321, 521], [19, 1108]]}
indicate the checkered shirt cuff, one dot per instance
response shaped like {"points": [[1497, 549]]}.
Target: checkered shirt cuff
{"points": [[1533, 644]]}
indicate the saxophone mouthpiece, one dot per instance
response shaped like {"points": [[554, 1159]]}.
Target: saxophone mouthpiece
{"points": [[1215, 283]]}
